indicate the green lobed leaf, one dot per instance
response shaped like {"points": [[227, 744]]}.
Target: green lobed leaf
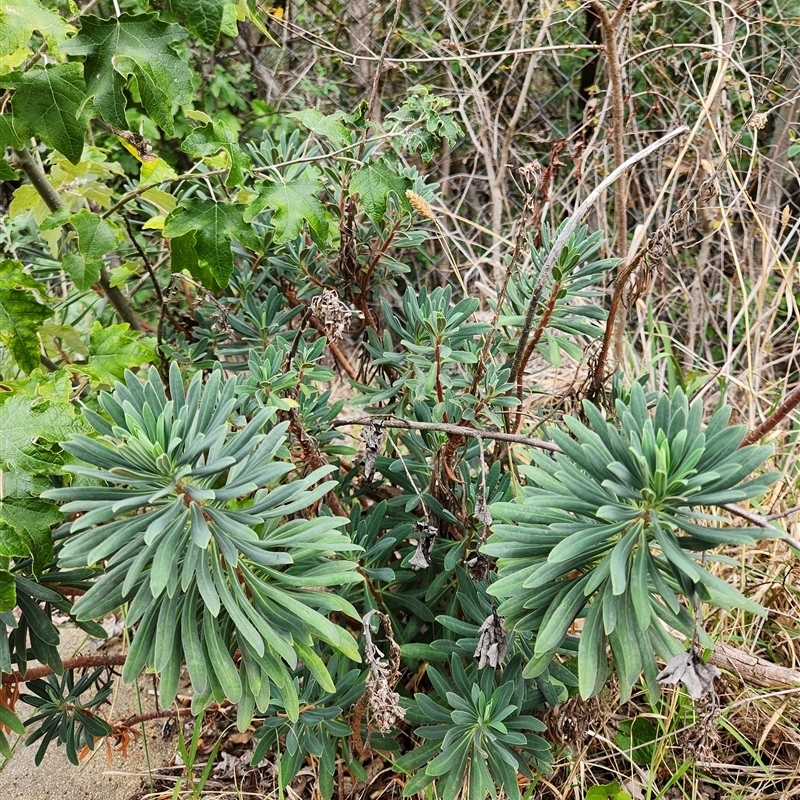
{"points": [[31, 519], [136, 47], [96, 236], [12, 545], [209, 140], [203, 18], [18, 20], [21, 312], [8, 591], [7, 173], [294, 201], [374, 182], [113, 349], [82, 273], [327, 125], [49, 103], [27, 429], [213, 225]]}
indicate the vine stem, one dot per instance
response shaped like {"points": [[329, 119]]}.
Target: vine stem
{"points": [[79, 662], [22, 159], [570, 225]]}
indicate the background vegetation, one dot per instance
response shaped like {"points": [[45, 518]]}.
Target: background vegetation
{"points": [[408, 433]]}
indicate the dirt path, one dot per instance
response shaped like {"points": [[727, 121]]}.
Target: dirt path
{"points": [[94, 778]]}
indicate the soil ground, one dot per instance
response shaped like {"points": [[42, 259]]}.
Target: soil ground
{"points": [[94, 778]]}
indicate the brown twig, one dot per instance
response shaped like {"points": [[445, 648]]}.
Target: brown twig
{"points": [[609, 26], [79, 662], [752, 669], [311, 455], [537, 335], [761, 522], [22, 159], [776, 417], [572, 222], [390, 421]]}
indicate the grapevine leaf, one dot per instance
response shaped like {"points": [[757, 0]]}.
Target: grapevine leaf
{"points": [[11, 543], [212, 138], [294, 201], [112, 350], [136, 47], [375, 181], [8, 138], [28, 430], [7, 173], [214, 225], [21, 312], [18, 20], [8, 591], [203, 18], [328, 126], [49, 103], [96, 236], [30, 519], [81, 272]]}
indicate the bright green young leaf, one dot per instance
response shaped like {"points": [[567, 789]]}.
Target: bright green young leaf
{"points": [[112, 350], [203, 18], [214, 225], [29, 430], [294, 201], [8, 591], [30, 519], [49, 104], [7, 173], [137, 47], [375, 182], [96, 236], [11, 543], [82, 273], [212, 138], [21, 313], [8, 138], [18, 20], [327, 125], [610, 791]]}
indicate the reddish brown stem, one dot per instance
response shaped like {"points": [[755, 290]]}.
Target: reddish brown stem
{"points": [[438, 362], [363, 283], [772, 421], [79, 662], [537, 335], [619, 287], [336, 352]]}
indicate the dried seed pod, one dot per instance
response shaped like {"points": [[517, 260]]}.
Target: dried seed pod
{"points": [[492, 645], [690, 670], [373, 436], [332, 313]]}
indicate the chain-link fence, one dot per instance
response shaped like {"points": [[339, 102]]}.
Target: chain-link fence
{"points": [[565, 83]]}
